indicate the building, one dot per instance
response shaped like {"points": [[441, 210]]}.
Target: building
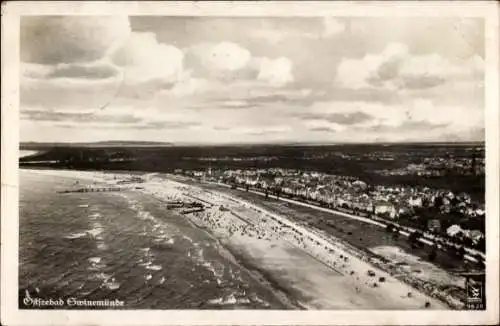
{"points": [[385, 208], [454, 230]]}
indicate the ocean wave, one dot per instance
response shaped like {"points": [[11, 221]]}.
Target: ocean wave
{"points": [[229, 300], [111, 284], [76, 235], [95, 232], [154, 267]]}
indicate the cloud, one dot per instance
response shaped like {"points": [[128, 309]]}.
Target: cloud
{"points": [[323, 125], [227, 56], [68, 93], [85, 53], [236, 104], [188, 87], [95, 70], [408, 126], [143, 58], [164, 125], [169, 125], [276, 129], [332, 26], [414, 114], [70, 39], [388, 80], [322, 129], [76, 72], [346, 118], [35, 70], [223, 60], [274, 36], [277, 72], [396, 68], [120, 118], [77, 117], [230, 62]]}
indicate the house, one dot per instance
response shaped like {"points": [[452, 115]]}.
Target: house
{"points": [[360, 184], [251, 181], [454, 230], [414, 201], [434, 225], [475, 235], [263, 184], [385, 208]]}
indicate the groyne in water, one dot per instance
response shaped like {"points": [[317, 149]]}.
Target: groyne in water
{"points": [[103, 189]]}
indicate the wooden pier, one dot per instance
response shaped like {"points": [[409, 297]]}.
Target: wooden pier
{"points": [[93, 189], [192, 210]]}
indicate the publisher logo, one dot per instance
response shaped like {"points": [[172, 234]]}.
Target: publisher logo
{"points": [[475, 295]]}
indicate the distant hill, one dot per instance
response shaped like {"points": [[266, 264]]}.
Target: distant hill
{"points": [[110, 143]]}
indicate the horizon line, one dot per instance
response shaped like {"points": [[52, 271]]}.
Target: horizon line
{"points": [[251, 143]]}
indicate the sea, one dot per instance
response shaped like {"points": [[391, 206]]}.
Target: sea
{"points": [[124, 246]]}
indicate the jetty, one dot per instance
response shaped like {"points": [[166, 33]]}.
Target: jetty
{"points": [[93, 189], [192, 210]]}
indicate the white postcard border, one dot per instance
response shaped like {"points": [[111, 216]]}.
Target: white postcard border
{"points": [[11, 315]]}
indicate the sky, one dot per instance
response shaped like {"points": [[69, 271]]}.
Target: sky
{"points": [[251, 80]]}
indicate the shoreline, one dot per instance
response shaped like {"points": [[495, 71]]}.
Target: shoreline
{"points": [[241, 261], [252, 253]]}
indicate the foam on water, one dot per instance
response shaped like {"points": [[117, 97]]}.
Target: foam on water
{"points": [[95, 232], [154, 267], [102, 246], [111, 285], [96, 267], [102, 276], [256, 298], [229, 300], [76, 235]]}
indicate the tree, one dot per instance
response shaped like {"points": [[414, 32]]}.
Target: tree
{"points": [[461, 252], [438, 201], [413, 238], [481, 244], [395, 233], [433, 253]]}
